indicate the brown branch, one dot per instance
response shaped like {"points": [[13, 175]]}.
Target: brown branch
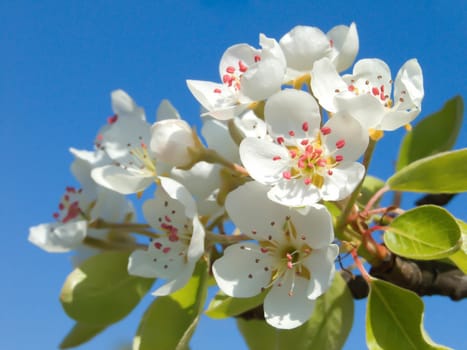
{"points": [[422, 277]]}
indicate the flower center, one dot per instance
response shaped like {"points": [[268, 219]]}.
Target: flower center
{"points": [[232, 75], [68, 207], [309, 158], [289, 256]]}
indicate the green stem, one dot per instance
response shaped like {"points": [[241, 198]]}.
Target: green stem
{"points": [[226, 239], [142, 229], [342, 220], [105, 245]]}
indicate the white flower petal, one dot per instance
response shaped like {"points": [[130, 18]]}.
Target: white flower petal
{"points": [[243, 271], [201, 180], [250, 125], [286, 311], [364, 108], [303, 45], [326, 83], [258, 158], [342, 182], [234, 54], [254, 214], [344, 45], [166, 111], [173, 285], [344, 127], [124, 106], [170, 140], [120, 180], [314, 226], [408, 86], [321, 265], [157, 262], [294, 193], [119, 138], [58, 237], [263, 79], [288, 109], [395, 119], [217, 136]]}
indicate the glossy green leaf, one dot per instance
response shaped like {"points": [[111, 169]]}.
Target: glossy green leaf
{"points": [[223, 306], [100, 291], [80, 334], [170, 320], [424, 233], [370, 186], [434, 134], [394, 319], [460, 257], [328, 327], [441, 173]]}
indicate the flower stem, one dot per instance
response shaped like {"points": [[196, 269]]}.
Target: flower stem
{"points": [[342, 220], [226, 239], [105, 245], [142, 229]]}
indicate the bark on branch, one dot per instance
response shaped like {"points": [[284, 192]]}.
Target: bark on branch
{"points": [[422, 277]]}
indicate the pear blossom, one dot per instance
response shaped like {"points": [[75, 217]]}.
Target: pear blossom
{"points": [[125, 140], [366, 93], [304, 45], [293, 256], [174, 254], [171, 141], [80, 206], [303, 162], [247, 75]]}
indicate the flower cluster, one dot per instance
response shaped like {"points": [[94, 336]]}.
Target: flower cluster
{"points": [[283, 132]]}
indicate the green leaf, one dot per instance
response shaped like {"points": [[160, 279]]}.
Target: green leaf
{"points": [[370, 186], [223, 306], [441, 173], [394, 319], [433, 134], [327, 328], [80, 334], [424, 233], [170, 320], [100, 291], [460, 257]]}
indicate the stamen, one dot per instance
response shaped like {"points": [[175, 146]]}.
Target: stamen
{"points": [[242, 67], [112, 119], [326, 130], [230, 69], [340, 143]]}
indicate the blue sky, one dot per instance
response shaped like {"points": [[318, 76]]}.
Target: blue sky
{"points": [[61, 59]]}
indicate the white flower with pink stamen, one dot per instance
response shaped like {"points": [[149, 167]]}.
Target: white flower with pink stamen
{"points": [[247, 75], [302, 162], [125, 140], [174, 254], [366, 93], [77, 207], [294, 255]]}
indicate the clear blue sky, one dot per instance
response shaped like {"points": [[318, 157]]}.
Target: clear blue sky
{"points": [[60, 60]]}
